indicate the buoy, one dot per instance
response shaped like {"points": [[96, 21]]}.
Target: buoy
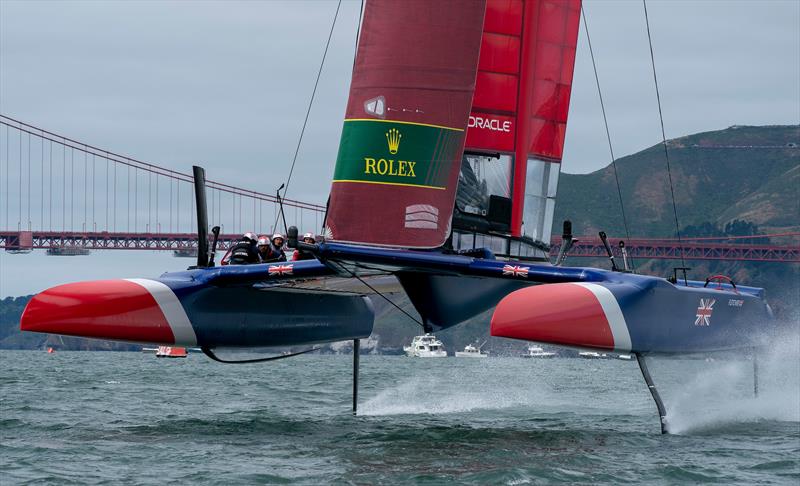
{"points": [[50, 350]]}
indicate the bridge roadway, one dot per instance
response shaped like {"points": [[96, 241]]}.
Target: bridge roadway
{"points": [[185, 244]]}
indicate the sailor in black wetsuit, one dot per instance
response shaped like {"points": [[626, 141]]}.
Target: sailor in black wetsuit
{"points": [[244, 251]]}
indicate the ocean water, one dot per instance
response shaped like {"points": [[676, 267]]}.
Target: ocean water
{"points": [[92, 417]]}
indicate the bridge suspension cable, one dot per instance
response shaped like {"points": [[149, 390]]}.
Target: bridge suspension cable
{"points": [[112, 192]]}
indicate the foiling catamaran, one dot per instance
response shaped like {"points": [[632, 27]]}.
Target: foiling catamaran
{"points": [[446, 178]]}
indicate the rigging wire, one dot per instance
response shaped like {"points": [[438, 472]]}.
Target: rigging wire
{"points": [[355, 55], [358, 34], [664, 136], [608, 133], [310, 103], [29, 181]]}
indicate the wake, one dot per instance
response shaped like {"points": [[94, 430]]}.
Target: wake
{"points": [[723, 393]]}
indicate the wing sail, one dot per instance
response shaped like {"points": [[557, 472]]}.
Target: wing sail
{"points": [[397, 169], [519, 111]]}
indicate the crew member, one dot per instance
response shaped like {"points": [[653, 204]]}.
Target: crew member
{"points": [[271, 251], [277, 248], [264, 252], [244, 251], [302, 254]]}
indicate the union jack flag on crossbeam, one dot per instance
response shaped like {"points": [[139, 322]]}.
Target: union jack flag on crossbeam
{"points": [[280, 270], [515, 271]]}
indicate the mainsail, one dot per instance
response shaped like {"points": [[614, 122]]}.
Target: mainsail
{"points": [[403, 137]]}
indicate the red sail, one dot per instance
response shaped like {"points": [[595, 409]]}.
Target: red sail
{"points": [[522, 100], [400, 152]]}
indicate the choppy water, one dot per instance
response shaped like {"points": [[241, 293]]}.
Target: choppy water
{"points": [[82, 417]]}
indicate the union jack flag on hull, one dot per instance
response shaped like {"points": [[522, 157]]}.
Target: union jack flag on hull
{"points": [[703, 317]]}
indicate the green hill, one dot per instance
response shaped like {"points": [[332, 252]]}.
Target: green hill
{"points": [[745, 173]]}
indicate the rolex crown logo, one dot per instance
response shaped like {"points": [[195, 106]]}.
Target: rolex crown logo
{"points": [[393, 137]]}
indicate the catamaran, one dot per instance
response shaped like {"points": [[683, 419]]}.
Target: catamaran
{"points": [[445, 179]]}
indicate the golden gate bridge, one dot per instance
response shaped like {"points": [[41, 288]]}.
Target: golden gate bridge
{"points": [[68, 198]]}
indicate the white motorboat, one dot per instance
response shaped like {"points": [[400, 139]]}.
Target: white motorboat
{"points": [[425, 346], [471, 351], [170, 352], [538, 352], [625, 357]]}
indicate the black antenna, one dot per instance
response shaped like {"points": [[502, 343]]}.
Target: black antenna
{"points": [[280, 204], [202, 215]]}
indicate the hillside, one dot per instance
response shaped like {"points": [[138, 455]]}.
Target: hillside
{"points": [[746, 173]]}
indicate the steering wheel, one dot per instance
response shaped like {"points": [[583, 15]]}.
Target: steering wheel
{"points": [[720, 279]]}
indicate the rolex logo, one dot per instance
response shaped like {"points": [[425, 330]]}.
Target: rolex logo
{"points": [[393, 137]]}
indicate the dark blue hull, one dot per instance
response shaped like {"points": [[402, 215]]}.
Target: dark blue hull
{"points": [[263, 305]]}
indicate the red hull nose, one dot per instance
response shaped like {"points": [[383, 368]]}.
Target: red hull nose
{"points": [[121, 310], [583, 315]]}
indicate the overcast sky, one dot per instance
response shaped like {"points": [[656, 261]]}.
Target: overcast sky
{"points": [[226, 84]]}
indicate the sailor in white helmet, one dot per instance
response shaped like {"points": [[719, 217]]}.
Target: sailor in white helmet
{"points": [[263, 248], [304, 255], [243, 252], [276, 253]]}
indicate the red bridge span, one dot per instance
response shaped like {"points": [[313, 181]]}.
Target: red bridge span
{"points": [[69, 198], [185, 244]]}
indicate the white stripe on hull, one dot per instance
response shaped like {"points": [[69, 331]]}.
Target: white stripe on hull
{"points": [[616, 321], [172, 309]]}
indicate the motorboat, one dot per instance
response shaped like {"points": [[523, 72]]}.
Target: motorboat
{"points": [[538, 352], [625, 357], [170, 352], [592, 355], [471, 351], [425, 346]]}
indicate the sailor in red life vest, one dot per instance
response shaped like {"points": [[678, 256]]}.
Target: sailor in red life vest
{"points": [[264, 253], [304, 255], [274, 251]]}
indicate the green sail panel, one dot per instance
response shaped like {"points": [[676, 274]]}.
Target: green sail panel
{"points": [[396, 153]]}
